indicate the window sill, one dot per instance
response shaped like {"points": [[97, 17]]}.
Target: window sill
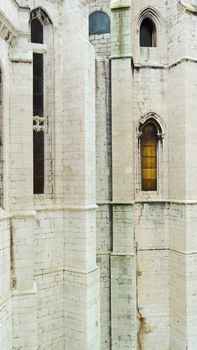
{"points": [[148, 196]]}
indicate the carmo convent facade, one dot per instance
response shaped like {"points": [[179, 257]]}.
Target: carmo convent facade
{"points": [[98, 175]]}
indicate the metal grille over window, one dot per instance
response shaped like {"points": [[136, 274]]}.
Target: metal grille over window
{"points": [[38, 110]]}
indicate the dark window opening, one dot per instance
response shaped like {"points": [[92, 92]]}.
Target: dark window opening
{"points": [[38, 98], [99, 23], [36, 31], [149, 140], [38, 161], [38, 135], [148, 33]]}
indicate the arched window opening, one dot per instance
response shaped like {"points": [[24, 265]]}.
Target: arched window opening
{"points": [[148, 33], [99, 23], [148, 143], [42, 98], [36, 31]]}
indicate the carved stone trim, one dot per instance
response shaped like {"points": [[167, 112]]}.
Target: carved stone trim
{"points": [[8, 31], [158, 121], [38, 123], [152, 115], [116, 4], [41, 15], [151, 13]]}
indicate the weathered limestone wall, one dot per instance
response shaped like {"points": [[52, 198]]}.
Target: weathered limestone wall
{"points": [[104, 242], [50, 296], [160, 225], [103, 181], [81, 274], [102, 46], [48, 274], [152, 260], [149, 94], [5, 293], [123, 260], [101, 42]]}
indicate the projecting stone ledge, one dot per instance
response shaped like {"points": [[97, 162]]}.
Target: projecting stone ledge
{"points": [[115, 4]]}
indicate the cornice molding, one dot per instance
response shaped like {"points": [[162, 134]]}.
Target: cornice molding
{"points": [[8, 31]]}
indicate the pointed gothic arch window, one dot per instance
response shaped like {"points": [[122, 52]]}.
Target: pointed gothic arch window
{"points": [[40, 26], [38, 109], [148, 33], [150, 135]]}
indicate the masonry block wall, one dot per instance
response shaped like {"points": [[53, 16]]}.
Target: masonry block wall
{"points": [[96, 263], [49, 290], [5, 300], [102, 46], [162, 240]]}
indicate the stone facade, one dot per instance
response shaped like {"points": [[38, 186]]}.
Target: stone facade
{"points": [[94, 262]]}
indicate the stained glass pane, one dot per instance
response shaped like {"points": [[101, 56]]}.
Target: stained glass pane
{"points": [[149, 158]]}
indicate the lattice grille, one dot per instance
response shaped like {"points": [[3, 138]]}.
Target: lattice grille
{"points": [[38, 142], [38, 110]]}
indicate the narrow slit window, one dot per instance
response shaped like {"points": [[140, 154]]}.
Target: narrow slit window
{"points": [[148, 33], [149, 142], [38, 110], [38, 98], [38, 163]]}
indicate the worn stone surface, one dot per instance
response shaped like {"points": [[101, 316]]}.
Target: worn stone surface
{"points": [[95, 263]]}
